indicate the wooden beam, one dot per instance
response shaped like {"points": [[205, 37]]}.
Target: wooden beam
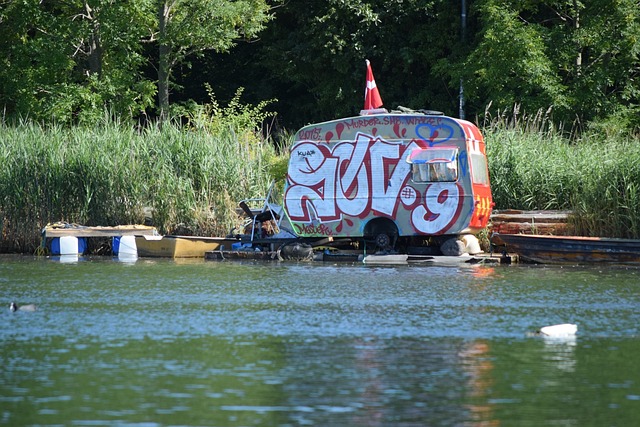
{"points": [[83, 231]]}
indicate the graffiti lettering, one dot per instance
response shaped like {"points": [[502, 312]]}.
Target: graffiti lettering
{"points": [[352, 185], [314, 188], [310, 134], [306, 153], [359, 178], [442, 204], [361, 123], [387, 187], [313, 230]]}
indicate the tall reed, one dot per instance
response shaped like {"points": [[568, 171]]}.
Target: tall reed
{"points": [[189, 180], [534, 165]]}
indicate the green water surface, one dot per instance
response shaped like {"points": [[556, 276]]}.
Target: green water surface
{"points": [[206, 343]]}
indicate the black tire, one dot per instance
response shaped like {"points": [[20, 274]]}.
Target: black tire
{"points": [[382, 232], [383, 241]]}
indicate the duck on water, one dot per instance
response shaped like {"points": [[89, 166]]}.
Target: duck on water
{"points": [[27, 307]]}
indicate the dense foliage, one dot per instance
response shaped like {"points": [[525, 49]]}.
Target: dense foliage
{"points": [[84, 82], [190, 179], [70, 60], [534, 166], [187, 179]]}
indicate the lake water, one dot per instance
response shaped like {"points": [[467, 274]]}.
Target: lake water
{"points": [[206, 343]]}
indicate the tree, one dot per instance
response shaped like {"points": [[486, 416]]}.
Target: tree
{"points": [[69, 61], [31, 57], [191, 27], [312, 57], [581, 59]]}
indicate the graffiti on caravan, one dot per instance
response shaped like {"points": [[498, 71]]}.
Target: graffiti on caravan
{"points": [[363, 177]]}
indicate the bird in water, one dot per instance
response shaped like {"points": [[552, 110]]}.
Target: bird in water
{"points": [[27, 307], [563, 330]]}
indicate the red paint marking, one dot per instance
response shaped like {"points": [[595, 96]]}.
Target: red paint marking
{"points": [[328, 136]]}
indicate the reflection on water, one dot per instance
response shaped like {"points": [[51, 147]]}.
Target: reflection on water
{"points": [[560, 352], [159, 342], [478, 367]]}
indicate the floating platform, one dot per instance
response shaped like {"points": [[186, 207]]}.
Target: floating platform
{"points": [[71, 239], [373, 259], [65, 229], [571, 249]]}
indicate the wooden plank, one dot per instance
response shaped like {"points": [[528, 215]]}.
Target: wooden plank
{"points": [[557, 228], [530, 222], [530, 216], [572, 249], [99, 231]]}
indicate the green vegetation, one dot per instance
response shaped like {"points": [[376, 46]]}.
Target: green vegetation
{"points": [[596, 176], [68, 61], [189, 179], [63, 64]]}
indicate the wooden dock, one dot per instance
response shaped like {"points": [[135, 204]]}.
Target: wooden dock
{"points": [[373, 259], [514, 221], [75, 230]]}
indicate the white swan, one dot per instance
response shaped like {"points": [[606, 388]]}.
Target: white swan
{"points": [[563, 330]]}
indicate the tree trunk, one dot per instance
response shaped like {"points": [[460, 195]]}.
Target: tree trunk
{"points": [[95, 52], [576, 27], [95, 46], [164, 69]]}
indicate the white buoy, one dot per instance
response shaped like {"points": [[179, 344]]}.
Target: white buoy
{"points": [[125, 247], [472, 245], [69, 245], [563, 330]]}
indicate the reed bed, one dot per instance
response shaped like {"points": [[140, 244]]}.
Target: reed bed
{"points": [[189, 179], [534, 165], [186, 180]]}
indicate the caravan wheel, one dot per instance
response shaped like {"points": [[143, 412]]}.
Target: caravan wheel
{"points": [[382, 232], [383, 240]]}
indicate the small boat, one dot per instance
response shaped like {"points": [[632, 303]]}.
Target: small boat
{"points": [[180, 246], [570, 249]]}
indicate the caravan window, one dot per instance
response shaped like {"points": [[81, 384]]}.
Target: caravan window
{"points": [[434, 164], [479, 170]]}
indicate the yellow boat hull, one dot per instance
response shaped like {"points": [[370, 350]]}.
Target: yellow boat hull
{"points": [[180, 246]]}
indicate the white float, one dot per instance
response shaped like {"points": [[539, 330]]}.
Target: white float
{"points": [[125, 247], [68, 245], [562, 330]]}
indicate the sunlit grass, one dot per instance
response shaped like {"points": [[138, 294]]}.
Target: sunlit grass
{"points": [[534, 165], [111, 174], [190, 178]]}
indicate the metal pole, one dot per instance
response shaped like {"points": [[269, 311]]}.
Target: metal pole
{"points": [[463, 18]]}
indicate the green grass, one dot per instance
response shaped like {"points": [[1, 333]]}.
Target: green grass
{"points": [[597, 175], [190, 178], [109, 175]]}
